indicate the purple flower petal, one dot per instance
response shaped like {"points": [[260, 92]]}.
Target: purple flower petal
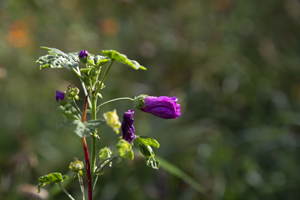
{"points": [[59, 95], [163, 107], [83, 53], [127, 126]]}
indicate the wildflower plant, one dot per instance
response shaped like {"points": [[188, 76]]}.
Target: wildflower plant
{"points": [[89, 69]]}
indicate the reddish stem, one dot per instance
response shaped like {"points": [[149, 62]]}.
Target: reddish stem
{"points": [[86, 154]]}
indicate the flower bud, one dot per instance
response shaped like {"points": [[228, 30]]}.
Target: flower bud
{"points": [[76, 166], [60, 97], [83, 56], [163, 106], [72, 93], [112, 119], [127, 126]]}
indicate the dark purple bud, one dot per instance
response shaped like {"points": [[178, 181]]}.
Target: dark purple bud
{"points": [[83, 53], [59, 95], [83, 56], [127, 126], [163, 107]]}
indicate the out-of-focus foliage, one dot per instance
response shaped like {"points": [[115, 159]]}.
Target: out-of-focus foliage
{"points": [[234, 66]]}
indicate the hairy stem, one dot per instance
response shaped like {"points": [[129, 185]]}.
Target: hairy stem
{"points": [[86, 154]]}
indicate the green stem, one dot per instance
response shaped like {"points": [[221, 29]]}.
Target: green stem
{"points": [[82, 83], [94, 137], [104, 76], [99, 168], [81, 185], [117, 99], [65, 191], [76, 106]]}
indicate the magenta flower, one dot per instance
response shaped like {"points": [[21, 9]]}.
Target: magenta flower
{"points": [[83, 56], [59, 95], [127, 126], [83, 53], [163, 106]]}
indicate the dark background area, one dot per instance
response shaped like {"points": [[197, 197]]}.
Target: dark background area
{"points": [[234, 65]]}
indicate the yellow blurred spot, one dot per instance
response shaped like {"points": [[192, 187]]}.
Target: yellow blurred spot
{"points": [[109, 27], [112, 119], [18, 35]]}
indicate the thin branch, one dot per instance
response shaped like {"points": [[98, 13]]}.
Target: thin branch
{"points": [[65, 191]]}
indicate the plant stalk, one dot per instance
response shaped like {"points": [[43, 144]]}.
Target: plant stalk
{"points": [[86, 154], [94, 137], [65, 191]]}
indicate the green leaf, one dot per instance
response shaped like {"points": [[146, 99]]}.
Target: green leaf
{"points": [[174, 170], [100, 60], [123, 59], [54, 177], [146, 150], [146, 144], [151, 162], [83, 129], [69, 112], [58, 59], [125, 149], [148, 141]]}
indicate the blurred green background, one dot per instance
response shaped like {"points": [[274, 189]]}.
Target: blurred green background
{"points": [[234, 65]]}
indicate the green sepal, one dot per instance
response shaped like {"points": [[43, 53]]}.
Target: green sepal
{"points": [[105, 153], [58, 59], [125, 149], [54, 177], [76, 166], [139, 101], [123, 59]]}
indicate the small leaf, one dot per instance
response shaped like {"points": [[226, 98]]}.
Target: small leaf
{"points": [[125, 149], [145, 144], [123, 59], [151, 162], [58, 59], [147, 152], [149, 141], [54, 177]]}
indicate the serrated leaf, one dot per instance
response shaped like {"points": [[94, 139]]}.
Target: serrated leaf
{"points": [[54, 177], [125, 149], [58, 59], [123, 59]]}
